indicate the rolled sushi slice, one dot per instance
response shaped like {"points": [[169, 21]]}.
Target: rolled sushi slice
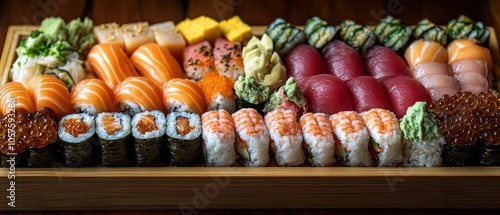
{"points": [[184, 138], [392, 33], [148, 131], [319, 143], [465, 28], [75, 134], [318, 32], [252, 137], [357, 36], [218, 91], [41, 147], [427, 30], [286, 137], [352, 144], [218, 138], [386, 136], [113, 131], [284, 35], [423, 144]]}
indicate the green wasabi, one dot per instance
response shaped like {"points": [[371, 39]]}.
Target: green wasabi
{"points": [[77, 33], [249, 90], [419, 123], [54, 28], [291, 92]]}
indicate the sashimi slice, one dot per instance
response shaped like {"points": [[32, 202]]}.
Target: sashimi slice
{"points": [[469, 65], [468, 49], [438, 92], [430, 68], [423, 51], [228, 59], [471, 78], [368, 93], [342, 60], [156, 63], [439, 80]]}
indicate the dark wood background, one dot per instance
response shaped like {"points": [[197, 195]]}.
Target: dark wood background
{"points": [[254, 12]]}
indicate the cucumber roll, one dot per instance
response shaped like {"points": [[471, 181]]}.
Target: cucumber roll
{"points": [[76, 133], [184, 138], [284, 35], [113, 131], [392, 33], [425, 29], [148, 130], [464, 28], [41, 147], [318, 32], [357, 36]]}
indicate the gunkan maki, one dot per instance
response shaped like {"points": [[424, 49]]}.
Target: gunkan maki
{"points": [[42, 147]]}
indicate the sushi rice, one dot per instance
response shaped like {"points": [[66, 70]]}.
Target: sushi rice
{"points": [[318, 139], [218, 138], [423, 153], [286, 137], [252, 141]]}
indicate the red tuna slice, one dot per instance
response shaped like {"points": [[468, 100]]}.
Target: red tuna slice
{"points": [[304, 61], [326, 93], [342, 60], [403, 92], [382, 62], [368, 93]]}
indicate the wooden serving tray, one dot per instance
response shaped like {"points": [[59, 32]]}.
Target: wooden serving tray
{"points": [[190, 189]]}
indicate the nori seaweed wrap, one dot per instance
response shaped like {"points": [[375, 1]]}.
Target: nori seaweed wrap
{"points": [[42, 147], [148, 130], [184, 138], [113, 132], [425, 29], [357, 36], [464, 28], [76, 133], [393, 33], [458, 155], [488, 151]]}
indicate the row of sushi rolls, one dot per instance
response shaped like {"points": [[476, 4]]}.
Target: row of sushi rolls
{"points": [[208, 93]]}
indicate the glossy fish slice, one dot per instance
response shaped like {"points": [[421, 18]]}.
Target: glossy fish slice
{"points": [[13, 96], [140, 94], [183, 95], [51, 92], [93, 96]]}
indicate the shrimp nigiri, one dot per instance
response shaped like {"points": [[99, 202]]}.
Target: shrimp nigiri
{"points": [[93, 96], [252, 137], [183, 95], [14, 96], [49, 91], [138, 94], [156, 63], [286, 137], [318, 139], [218, 138], [352, 144], [110, 63]]}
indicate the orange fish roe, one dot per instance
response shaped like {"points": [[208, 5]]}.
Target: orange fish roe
{"points": [[75, 126], [214, 84]]}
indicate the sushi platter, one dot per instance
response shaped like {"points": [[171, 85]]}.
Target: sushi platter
{"points": [[151, 144]]}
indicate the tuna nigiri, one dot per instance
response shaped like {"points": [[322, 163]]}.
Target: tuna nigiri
{"points": [[14, 96], [404, 92], [326, 93], [138, 94], [93, 96], [382, 62], [110, 63], [156, 63], [198, 59], [228, 59], [51, 92], [342, 60], [304, 61], [368, 93], [183, 95]]}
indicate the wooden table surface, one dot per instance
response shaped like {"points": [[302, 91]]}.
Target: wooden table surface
{"points": [[254, 12]]}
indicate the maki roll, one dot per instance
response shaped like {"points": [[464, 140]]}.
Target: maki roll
{"points": [[352, 144], [286, 137], [357, 36], [148, 130], [184, 138], [251, 94], [385, 136], [42, 147], [423, 144], [392, 33], [318, 139], [113, 131], [427, 30], [218, 91], [465, 28], [252, 137], [218, 138], [318, 32], [76, 133], [284, 35]]}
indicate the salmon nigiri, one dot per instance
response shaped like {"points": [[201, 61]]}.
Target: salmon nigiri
{"points": [[49, 91], [93, 96], [156, 63], [422, 51], [110, 63], [13, 96], [183, 95], [138, 94]]}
